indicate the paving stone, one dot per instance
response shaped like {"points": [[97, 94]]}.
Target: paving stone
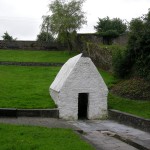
{"points": [[107, 143], [134, 136]]}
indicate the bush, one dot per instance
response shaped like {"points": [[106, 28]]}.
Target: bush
{"points": [[130, 89], [121, 62]]}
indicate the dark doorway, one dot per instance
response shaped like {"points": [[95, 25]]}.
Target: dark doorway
{"points": [[82, 105]]}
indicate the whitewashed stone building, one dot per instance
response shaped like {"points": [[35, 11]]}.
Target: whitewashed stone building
{"points": [[79, 90]]}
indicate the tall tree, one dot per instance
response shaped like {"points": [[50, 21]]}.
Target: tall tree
{"points": [[45, 35], [65, 19], [110, 28]]}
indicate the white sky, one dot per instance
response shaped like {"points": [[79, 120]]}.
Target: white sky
{"points": [[22, 18]]}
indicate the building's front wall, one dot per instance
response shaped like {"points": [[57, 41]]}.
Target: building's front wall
{"points": [[97, 106], [68, 105]]}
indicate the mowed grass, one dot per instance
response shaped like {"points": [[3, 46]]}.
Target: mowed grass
{"points": [[26, 87], [15, 137], [135, 107], [109, 79], [35, 56]]}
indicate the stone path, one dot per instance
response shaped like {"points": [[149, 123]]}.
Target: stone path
{"points": [[110, 135], [104, 135]]}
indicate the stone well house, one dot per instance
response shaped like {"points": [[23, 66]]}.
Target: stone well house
{"points": [[79, 90]]}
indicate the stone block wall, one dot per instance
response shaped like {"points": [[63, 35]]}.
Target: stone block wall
{"points": [[30, 45], [121, 40], [95, 38]]}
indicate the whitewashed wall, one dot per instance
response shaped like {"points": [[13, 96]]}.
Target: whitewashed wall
{"points": [[83, 78]]}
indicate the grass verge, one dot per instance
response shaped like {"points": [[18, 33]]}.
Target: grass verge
{"points": [[35, 56], [26, 87], [113, 47], [138, 108], [40, 138]]}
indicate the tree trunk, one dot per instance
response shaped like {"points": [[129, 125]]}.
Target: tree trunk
{"points": [[69, 43]]}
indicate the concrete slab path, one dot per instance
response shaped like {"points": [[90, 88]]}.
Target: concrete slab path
{"points": [[110, 135]]}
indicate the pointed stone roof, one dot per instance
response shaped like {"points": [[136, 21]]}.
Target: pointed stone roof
{"points": [[64, 73]]}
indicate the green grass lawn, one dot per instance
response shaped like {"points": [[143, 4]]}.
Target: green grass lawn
{"points": [[35, 56], [26, 87], [109, 79], [135, 107], [15, 137]]}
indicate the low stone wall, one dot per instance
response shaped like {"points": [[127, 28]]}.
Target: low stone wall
{"points": [[121, 40], [81, 39], [12, 112], [128, 119], [95, 38], [30, 45], [89, 37], [30, 63]]}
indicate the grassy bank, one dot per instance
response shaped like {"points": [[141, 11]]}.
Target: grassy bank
{"points": [[39, 138], [26, 87], [109, 79], [35, 56], [135, 107]]}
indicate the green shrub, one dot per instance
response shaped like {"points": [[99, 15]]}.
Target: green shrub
{"points": [[143, 67], [139, 45], [121, 62], [131, 89]]}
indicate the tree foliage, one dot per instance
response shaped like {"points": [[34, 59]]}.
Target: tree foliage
{"points": [[7, 37], [135, 59], [65, 19], [110, 28], [45, 37], [45, 27], [139, 44]]}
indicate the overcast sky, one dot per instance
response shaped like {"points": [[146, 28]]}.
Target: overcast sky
{"points": [[22, 18]]}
